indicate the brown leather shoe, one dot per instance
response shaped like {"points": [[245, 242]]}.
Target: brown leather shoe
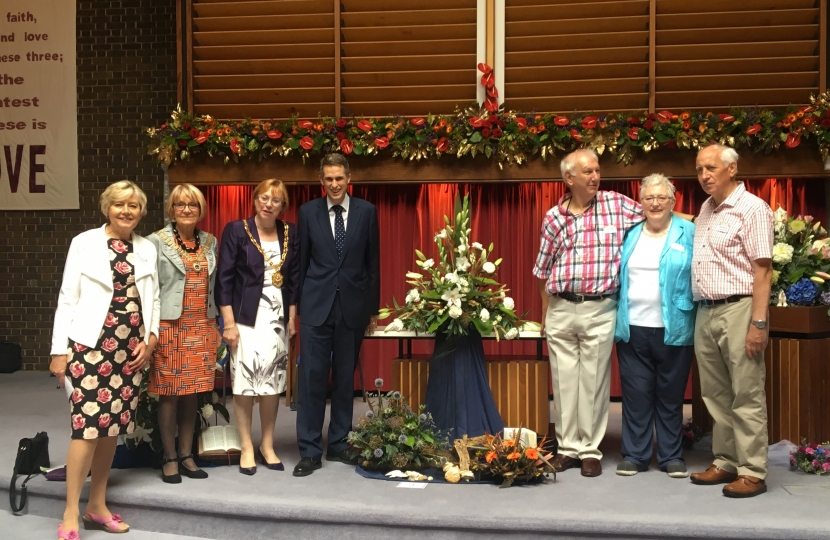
{"points": [[591, 467], [713, 475], [562, 462], [745, 486]]}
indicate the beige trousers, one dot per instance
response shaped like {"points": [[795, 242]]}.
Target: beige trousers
{"points": [[732, 387], [580, 337]]}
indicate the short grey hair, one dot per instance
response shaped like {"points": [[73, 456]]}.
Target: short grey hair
{"points": [[121, 191], [728, 155], [568, 163], [656, 179]]}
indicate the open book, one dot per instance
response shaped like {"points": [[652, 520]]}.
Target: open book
{"points": [[220, 444]]}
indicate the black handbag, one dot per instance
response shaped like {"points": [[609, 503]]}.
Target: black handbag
{"points": [[32, 454], [10, 357]]}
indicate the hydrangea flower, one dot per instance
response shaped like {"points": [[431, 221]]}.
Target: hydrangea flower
{"points": [[802, 293], [378, 452], [825, 298], [402, 438]]}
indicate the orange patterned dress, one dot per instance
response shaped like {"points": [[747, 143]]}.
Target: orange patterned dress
{"points": [[184, 360]]}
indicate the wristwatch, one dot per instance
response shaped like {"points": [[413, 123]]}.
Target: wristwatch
{"points": [[759, 324]]}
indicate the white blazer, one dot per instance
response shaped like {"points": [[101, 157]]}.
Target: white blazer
{"points": [[86, 291]]}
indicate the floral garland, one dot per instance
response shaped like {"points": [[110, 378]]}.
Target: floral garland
{"points": [[512, 137]]}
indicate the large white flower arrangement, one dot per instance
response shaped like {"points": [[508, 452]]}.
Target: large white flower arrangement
{"points": [[458, 292]]}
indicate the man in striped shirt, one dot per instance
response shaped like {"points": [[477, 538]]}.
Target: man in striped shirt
{"points": [[731, 277], [578, 269]]}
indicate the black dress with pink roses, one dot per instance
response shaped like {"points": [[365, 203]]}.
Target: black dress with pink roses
{"points": [[105, 394]]}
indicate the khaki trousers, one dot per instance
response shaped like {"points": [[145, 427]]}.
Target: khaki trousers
{"points": [[580, 337], [732, 387]]}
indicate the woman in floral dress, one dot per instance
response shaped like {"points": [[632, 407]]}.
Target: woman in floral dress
{"points": [[105, 329]]}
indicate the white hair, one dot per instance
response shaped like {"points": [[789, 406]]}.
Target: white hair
{"points": [[728, 155], [568, 163], [656, 179]]}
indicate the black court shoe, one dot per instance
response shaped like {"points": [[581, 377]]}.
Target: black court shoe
{"points": [[198, 474], [278, 466], [170, 478]]}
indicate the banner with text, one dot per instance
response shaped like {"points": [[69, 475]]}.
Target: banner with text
{"points": [[38, 105]]}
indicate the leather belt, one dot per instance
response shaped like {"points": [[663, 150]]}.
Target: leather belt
{"points": [[579, 298], [728, 300]]}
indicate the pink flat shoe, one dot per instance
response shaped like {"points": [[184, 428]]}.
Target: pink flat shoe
{"points": [[98, 523], [71, 534]]}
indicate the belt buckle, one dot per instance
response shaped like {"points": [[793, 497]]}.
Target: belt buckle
{"points": [[579, 298]]}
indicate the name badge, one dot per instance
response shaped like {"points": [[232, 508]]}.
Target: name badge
{"points": [[608, 229], [722, 228], [678, 247]]}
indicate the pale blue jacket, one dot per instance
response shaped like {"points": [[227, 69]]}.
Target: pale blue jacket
{"points": [[675, 284]]}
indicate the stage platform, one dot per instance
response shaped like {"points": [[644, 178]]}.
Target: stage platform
{"points": [[335, 502]]}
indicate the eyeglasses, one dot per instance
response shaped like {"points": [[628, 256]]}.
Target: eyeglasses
{"points": [[180, 206], [265, 199], [659, 198]]}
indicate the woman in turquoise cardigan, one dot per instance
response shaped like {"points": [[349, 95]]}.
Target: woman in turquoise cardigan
{"points": [[655, 331]]}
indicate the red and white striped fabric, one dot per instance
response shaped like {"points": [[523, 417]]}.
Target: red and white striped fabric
{"points": [[581, 254], [727, 239]]}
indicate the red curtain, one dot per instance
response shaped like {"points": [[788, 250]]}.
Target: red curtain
{"points": [[507, 214]]}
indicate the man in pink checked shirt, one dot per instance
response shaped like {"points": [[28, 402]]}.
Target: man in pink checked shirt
{"points": [[578, 270]]}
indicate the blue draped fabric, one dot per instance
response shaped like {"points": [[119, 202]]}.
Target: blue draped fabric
{"points": [[458, 393]]}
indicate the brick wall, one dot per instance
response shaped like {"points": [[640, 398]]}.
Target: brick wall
{"points": [[126, 53]]}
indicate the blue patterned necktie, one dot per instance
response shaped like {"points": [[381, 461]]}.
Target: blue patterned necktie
{"points": [[339, 229]]}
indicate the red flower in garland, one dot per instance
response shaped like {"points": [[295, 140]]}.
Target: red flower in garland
{"points": [[485, 132], [522, 123], [382, 142], [633, 133], [478, 122], [274, 134], [193, 133], [365, 125], [648, 124], [340, 123], [726, 117], [418, 122], [634, 120], [575, 134], [496, 133], [340, 135], [182, 142], [443, 144], [202, 138], [561, 121], [664, 117], [186, 126], [305, 124], [807, 120], [793, 140], [307, 142], [825, 123], [235, 146], [346, 146], [753, 129], [589, 122]]}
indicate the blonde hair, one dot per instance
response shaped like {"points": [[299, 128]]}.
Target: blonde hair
{"points": [[267, 186], [120, 191], [185, 191]]}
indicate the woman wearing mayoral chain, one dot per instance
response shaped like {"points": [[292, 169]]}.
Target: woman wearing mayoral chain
{"points": [[257, 296], [184, 360]]}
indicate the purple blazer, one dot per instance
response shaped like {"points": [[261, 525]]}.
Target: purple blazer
{"points": [[241, 270]]}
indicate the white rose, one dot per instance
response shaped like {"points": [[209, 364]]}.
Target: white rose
{"points": [[462, 263], [207, 410], [477, 245], [508, 303], [91, 433], [511, 334], [132, 307], [485, 315], [137, 379], [455, 311], [122, 332], [429, 263], [413, 296], [394, 326], [90, 408], [489, 267], [121, 356], [782, 253], [116, 406], [90, 382], [114, 430], [116, 382]]}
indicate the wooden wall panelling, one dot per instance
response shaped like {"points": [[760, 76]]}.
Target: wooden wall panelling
{"points": [[264, 59], [561, 56], [409, 60], [519, 387], [700, 45]]}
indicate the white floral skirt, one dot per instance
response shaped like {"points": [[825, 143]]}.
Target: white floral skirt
{"points": [[259, 361]]}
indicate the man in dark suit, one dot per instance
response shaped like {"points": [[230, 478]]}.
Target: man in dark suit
{"points": [[339, 300]]}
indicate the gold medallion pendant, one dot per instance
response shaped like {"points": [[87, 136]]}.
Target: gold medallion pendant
{"points": [[197, 267], [276, 279]]}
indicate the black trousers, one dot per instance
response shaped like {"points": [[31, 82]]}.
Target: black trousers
{"points": [[332, 347], [654, 377]]}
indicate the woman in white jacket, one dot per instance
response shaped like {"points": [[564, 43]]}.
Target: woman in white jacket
{"points": [[106, 326]]}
